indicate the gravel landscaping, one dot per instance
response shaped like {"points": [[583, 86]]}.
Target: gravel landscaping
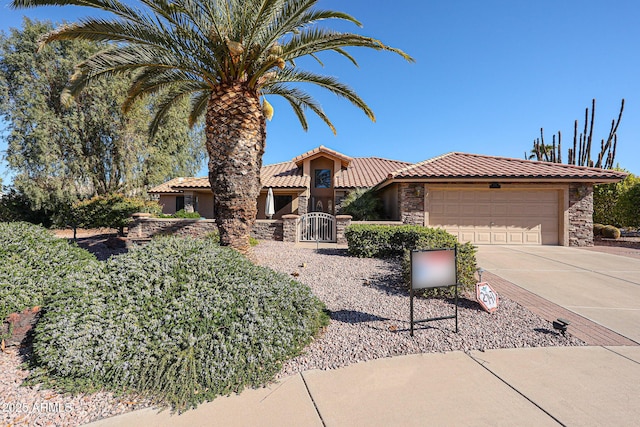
{"points": [[370, 311], [369, 319]]}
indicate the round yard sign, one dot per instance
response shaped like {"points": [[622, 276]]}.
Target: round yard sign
{"points": [[486, 297]]}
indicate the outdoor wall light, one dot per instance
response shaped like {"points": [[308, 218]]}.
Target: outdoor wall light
{"points": [[494, 185], [561, 325], [418, 191]]}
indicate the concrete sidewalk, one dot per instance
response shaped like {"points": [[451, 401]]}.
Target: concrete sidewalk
{"points": [[602, 287], [533, 387]]}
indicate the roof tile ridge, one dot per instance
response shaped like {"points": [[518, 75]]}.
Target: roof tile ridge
{"points": [[563, 165], [424, 162], [382, 158]]}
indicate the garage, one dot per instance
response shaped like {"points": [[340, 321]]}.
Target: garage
{"points": [[508, 217]]}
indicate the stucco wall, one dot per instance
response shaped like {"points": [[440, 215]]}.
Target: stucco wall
{"points": [[168, 204], [580, 215], [205, 204]]}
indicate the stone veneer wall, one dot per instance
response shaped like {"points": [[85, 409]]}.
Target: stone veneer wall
{"points": [[268, 229], [412, 203], [146, 228], [290, 228], [580, 215], [342, 222], [303, 204]]}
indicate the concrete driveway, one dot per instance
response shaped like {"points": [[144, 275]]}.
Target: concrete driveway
{"points": [[602, 287]]}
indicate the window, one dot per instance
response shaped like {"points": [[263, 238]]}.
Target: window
{"points": [[179, 203], [280, 202], [323, 178]]}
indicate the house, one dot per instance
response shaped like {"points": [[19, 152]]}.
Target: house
{"points": [[480, 199]]}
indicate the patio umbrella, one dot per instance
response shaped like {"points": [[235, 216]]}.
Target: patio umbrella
{"points": [[269, 209]]}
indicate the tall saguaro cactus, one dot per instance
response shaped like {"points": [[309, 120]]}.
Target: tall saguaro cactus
{"points": [[580, 153]]}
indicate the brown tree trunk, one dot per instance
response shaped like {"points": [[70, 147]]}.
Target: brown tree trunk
{"points": [[236, 134]]}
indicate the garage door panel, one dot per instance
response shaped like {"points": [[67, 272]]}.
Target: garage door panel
{"points": [[498, 208], [482, 238], [532, 238], [481, 209], [499, 237], [515, 237], [497, 217]]}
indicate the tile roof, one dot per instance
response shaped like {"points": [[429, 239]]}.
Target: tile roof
{"points": [[346, 160], [470, 166], [371, 171], [283, 175], [366, 172], [177, 185]]}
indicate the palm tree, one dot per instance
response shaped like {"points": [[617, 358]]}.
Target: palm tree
{"points": [[224, 55]]}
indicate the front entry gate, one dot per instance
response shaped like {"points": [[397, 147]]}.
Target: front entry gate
{"points": [[317, 227]]}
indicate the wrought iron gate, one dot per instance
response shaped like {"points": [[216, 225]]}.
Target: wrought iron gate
{"points": [[317, 227]]}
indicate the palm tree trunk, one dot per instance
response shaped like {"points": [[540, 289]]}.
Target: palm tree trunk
{"points": [[236, 135]]}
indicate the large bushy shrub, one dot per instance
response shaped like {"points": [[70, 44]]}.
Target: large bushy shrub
{"points": [[362, 205], [16, 207], [33, 263], [112, 211], [629, 206], [388, 240], [181, 320], [614, 203]]}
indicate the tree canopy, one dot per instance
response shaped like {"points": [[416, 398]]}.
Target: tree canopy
{"points": [[61, 151], [222, 55]]}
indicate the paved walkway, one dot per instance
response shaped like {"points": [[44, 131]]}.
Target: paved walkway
{"points": [[601, 287], [586, 386], [581, 327]]}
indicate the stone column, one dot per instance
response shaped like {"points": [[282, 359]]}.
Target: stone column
{"points": [[580, 215], [290, 228], [342, 222], [412, 203], [135, 228], [188, 201], [303, 203]]}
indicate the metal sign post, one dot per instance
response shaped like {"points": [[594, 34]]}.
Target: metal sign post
{"points": [[433, 268]]}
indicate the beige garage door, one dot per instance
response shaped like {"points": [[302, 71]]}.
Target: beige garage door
{"points": [[502, 217]]}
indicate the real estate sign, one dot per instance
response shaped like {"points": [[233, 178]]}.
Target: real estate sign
{"points": [[434, 268]]}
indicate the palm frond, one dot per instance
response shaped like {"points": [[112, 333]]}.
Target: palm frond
{"points": [[290, 75], [194, 46], [299, 100]]}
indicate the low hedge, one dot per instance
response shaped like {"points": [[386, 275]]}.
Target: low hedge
{"points": [[597, 229], [179, 320], [611, 232], [33, 263], [377, 241], [180, 214]]}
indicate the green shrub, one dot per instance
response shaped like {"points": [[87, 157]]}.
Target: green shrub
{"points": [[629, 206], [614, 203], [180, 320], [597, 229], [112, 211], [32, 265], [181, 214], [611, 232], [362, 205], [388, 240]]}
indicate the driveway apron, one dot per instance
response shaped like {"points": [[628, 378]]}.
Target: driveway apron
{"points": [[602, 287]]}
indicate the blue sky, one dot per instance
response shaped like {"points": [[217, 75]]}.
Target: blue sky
{"points": [[488, 76]]}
